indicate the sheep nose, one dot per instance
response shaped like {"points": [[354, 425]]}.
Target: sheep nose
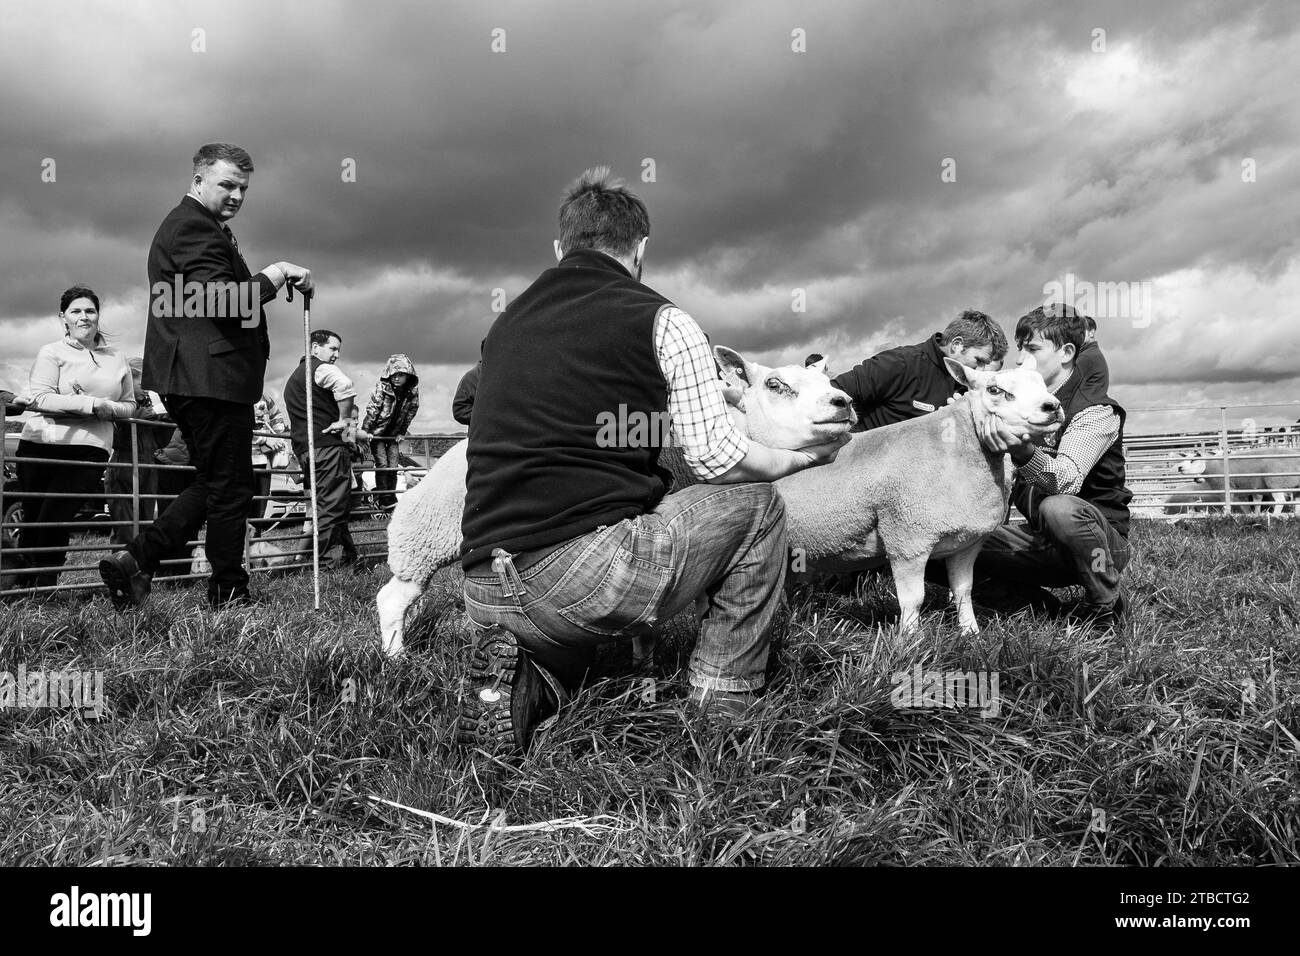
{"points": [[1052, 407], [839, 401]]}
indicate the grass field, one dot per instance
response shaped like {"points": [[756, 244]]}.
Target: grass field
{"points": [[257, 736]]}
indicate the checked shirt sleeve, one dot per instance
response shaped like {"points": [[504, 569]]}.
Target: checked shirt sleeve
{"points": [[711, 444], [1091, 432]]}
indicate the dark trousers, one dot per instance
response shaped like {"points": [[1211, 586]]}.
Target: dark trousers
{"points": [[333, 500], [219, 435], [81, 477], [385, 452], [1067, 541]]}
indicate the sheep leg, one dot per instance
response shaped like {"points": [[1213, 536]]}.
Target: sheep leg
{"points": [[909, 582], [394, 600], [961, 575]]}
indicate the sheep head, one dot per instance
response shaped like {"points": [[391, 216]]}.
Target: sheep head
{"points": [[786, 407], [1018, 396], [1193, 464]]}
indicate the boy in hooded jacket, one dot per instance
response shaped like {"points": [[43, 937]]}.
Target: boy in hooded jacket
{"points": [[393, 403]]}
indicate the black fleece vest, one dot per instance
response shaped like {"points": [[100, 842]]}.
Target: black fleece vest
{"points": [[1103, 486], [324, 409], [573, 351]]}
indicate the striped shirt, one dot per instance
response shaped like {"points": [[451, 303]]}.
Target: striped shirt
{"points": [[711, 443], [1079, 448]]}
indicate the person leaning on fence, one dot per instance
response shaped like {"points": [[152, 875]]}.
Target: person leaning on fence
{"points": [[1071, 491], [910, 381], [148, 438], [78, 386], [569, 539], [393, 403], [462, 405], [209, 368], [333, 396], [267, 417]]}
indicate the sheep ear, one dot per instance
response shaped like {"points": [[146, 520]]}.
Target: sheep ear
{"points": [[963, 375], [820, 365], [734, 368]]}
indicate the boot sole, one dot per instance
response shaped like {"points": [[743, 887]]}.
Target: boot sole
{"points": [[119, 585], [485, 721]]}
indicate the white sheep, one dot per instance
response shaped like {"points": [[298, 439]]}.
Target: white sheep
{"points": [[786, 407], [1267, 474], [919, 489]]}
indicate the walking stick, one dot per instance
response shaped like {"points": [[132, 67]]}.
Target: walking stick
{"points": [[309, 380]]}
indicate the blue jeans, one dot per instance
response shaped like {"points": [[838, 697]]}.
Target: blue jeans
{"points": [[617, 582], [1067, 541]]}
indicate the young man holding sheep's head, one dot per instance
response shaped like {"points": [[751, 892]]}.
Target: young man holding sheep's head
{"points": [[1071, 491]]}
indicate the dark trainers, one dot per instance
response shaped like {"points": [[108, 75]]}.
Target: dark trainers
{"points": [[507, 695], [127, 585], [1003, 597], [728, 704], [1104, 619]]}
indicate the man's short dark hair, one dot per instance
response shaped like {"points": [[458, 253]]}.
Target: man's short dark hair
{"points": [[599, 212], [212, 153], [323, 336], [815, 357], [1089, 323], [976, 330], [77, 292], [1058, 323]]}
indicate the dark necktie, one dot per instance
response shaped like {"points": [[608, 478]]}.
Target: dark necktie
{"points": [[235, 243]]}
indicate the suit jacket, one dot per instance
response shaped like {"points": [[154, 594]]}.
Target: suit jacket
{"points": [[211, 354]]}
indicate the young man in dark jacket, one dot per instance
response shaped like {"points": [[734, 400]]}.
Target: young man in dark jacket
{"points": [[1071, 491], [462, 405], [569, 538], [909, 381]]}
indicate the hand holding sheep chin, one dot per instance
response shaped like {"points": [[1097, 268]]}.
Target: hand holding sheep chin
{"points": [[997, 437], [824, 453]]}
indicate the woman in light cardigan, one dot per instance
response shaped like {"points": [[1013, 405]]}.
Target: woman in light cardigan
{"points": [[78, 386]]}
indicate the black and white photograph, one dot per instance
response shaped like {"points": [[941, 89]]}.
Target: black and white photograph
{"points": [[689, 434]]}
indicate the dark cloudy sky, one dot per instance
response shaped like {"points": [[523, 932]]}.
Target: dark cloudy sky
{"points": [[774, 170]]}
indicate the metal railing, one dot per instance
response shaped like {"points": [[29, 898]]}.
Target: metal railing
{"points": [[281, 509], [1251, 462]]}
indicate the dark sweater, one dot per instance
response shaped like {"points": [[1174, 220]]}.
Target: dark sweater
{"points": [[570, 350], [899, 384]]}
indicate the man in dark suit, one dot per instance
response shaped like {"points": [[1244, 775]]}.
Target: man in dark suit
{"points": [[205, 352]]}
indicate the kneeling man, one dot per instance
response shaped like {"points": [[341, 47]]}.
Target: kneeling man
{"points": [[1071, 492], [569, 539]]}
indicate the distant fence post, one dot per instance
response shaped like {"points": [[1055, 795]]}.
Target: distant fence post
{"points": [[1223, 448], [135, 480], [4, 430]]}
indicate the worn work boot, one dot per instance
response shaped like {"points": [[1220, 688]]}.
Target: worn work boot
{"points": [[1003, 597], [1104, 619], [127, 585], [508, 694], [727, 704]]}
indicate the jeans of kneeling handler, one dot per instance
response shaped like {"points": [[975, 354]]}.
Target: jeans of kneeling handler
{"points": [[617, 582], [1067, 541]]}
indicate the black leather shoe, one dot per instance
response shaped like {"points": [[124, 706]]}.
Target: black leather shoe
{"points": [[127, 585], [507, 696], [239, 597]]}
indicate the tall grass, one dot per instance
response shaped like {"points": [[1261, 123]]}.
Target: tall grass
{"points": [[259, 736]]}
